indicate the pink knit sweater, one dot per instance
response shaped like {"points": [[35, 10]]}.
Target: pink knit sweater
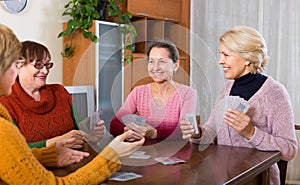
{"points": [[272, 115], [164, 118]]}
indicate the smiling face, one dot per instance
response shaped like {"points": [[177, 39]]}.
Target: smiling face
{"points": [[233, 65], [33, 79], [160, 66]]}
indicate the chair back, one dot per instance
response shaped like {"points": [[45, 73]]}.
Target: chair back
{"points": [[282, 165]]}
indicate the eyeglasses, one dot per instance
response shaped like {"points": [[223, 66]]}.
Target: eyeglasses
{"points": [[20, 62], [40, 65]]}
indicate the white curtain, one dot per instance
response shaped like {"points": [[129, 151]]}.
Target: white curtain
{"points": [[279, 23]]}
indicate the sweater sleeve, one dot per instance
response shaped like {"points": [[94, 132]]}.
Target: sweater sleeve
{"points": [[116, 127], [280, 132], [76, 117], [18, 164], [129, 107], [47, 156], [39, 144]]}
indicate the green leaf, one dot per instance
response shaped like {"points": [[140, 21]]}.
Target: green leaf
{"points": [[83, 12]]}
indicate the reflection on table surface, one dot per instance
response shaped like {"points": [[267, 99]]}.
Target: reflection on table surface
{"points": [[215, 165]]}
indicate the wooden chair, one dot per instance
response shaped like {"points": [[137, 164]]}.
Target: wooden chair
{"points": [[282, 165]]}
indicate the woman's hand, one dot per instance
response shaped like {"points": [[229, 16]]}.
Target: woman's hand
{"points": [[96, 133], [76, 134], [125, 148], [187, 129], [135, 135], [67, 156], [240, 122], [146, 131]]}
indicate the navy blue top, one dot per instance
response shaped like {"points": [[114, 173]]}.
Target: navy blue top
{"points": [[246, 86]]}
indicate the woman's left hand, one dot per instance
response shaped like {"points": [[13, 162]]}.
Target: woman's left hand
{"points": [[67, 156], [146, 131], [240, 122]]}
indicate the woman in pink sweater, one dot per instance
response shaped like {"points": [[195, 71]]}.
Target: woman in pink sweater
{"points": [[269, 123], [163, 102]]}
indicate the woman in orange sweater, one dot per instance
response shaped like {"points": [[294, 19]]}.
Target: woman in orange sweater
{"points": [[21, 165]]}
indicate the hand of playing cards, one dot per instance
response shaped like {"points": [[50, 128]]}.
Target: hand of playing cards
{"points": [[235, 102], [92, 131], [192, 119], [133, 118], [90, 122]]}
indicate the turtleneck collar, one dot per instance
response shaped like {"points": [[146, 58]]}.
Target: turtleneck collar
{"points": [[246, 86]]}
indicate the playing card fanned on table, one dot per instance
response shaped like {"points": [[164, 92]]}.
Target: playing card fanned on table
{"points": [[169, 160], [124, 176], [133, 118], [139, 155]]}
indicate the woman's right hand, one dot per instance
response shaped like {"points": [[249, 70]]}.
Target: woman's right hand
{"points": [[77, 144], [124, 148], [187, 129], [67, 156]]}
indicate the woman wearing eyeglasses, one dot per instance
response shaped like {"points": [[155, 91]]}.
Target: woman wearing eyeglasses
{"points": [[43, 112], [21, 165]]}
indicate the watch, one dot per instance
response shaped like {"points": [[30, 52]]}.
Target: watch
{"points": [[15, 6]]}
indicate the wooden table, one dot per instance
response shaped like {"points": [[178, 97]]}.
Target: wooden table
{"points": [[215, 165]]}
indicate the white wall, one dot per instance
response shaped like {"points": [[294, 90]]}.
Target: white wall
{"points": [[41, 21]]}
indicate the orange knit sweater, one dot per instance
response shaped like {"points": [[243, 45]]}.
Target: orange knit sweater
{"points": [[19, 164]]}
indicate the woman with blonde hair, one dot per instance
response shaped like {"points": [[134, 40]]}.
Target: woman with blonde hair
{"points": [[269, 123]]}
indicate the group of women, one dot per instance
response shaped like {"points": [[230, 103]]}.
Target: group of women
{"points": [[41, 116]]}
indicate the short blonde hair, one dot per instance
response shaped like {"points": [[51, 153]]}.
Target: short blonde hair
{"points": [[249, 44], [10, 48]]}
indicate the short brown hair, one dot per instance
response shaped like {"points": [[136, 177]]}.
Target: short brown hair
{"points": [[34, 51], [168, 45]]}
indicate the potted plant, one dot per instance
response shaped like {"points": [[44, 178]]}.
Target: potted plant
{"points": [[83, 12], [128, 30]]}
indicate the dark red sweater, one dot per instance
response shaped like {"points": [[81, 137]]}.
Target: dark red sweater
{"points": [[44, 119]]}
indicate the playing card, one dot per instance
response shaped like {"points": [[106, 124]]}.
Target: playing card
{"points": [[140, 120], [139, 155], [169, 160], [143, 156], [94, 118], [133, 118], [138, 152], [236, 102], [124, 176], [192, 119]]}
